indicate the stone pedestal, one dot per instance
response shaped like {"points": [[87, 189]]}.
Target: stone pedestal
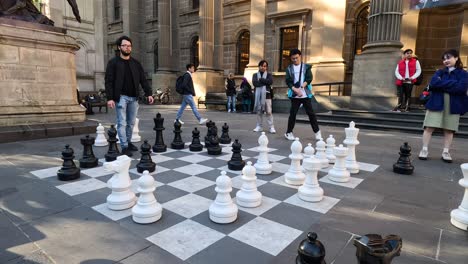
{"points": [[205, 81], [37, 75]]}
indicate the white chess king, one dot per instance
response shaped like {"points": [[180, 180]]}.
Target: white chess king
{"points": [[459, 216]]}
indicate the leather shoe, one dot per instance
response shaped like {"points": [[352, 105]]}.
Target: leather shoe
{"points": [[126, 151], [132, 147]]}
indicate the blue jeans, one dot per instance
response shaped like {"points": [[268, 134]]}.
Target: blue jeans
{"points": [[188, 100], [127, 109], [231, 101]]}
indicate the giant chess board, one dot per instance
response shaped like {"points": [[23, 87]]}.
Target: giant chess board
{"points": [[186, 187]]}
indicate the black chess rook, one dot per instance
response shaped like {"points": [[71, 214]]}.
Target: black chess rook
{"points": [[88, 160], [69, 171], [159, 145], [146, 163], [113, 151]]}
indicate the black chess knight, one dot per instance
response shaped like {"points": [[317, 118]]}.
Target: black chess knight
{"points": [[209, 124], [113, 151], [69, 171], [403, 165], [159, 145], [177, 143], [88, 160], [236, 163], [146, 163], [225, 139], [196, 145]]}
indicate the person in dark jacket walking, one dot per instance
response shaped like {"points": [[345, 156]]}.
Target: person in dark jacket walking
{"points": [[189, 93], [447, 102], [231, 93], [124, 75]]}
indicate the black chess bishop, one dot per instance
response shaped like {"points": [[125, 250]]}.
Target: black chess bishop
{"points": [[146, 163], [225, 139], [177, 143], [196, 144], [113, 151], [236, 163]]}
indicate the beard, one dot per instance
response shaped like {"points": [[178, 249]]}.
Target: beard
{"points": [[125, 53]]}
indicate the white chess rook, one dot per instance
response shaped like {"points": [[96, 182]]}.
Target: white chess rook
{"points": [[351, 141], [330, 146], [248, 195], [459, 216], [136, 132], [121, 197], [311, 191], [263, 165], [147, 210], [101, 140], [321, 153], [339, 173], [223, 210], [295, 174]]}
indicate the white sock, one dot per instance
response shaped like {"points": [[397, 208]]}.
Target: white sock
{"points": [[424, 148], [445, 150]]}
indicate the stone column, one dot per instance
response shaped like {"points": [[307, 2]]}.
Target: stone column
{"points": [[218, 36], [374, 70], [464, 39], [99, 25], [257, 36]]}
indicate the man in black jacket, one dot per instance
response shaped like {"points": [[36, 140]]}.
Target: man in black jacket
{"points": [[124, 75], [189, 93]]}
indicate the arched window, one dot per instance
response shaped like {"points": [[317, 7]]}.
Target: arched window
{"points": [[243, 49], [361, 26], [155, 57], [194, 52]]}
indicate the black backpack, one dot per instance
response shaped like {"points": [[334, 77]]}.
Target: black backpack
{"points": [[419, 79], [179, 88]]}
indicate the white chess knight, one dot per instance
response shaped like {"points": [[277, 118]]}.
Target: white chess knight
{"points": [[147, 210], [459, 216], [135, 133], [330, 146], [311, 191], [223, 210], [101, 140], [351, 141], [248, 195], [321, 154], [122, 196], [339, 173], [263, 165], [295, 175]]}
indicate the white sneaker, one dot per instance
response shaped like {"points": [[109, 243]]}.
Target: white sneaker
{"points": [[229, 110], [318, 136], [424, 153], [202, 121], [446, 157], [289, 136], [272, 130], [180, 121], [258, 129]]}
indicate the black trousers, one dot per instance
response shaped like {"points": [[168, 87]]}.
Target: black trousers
{"points": [[404, 95], [295, 104]]}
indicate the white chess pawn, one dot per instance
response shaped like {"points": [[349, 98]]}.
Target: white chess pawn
{"points": [[330, 146], [135, 133], [263, 165], [311, 191], [295, 175], [321, 154], [147, 210], [248, 195], [339, 173], [308, 151], [101, 140], [459, 216], [223, 210], [351, 141], [122, 196]]}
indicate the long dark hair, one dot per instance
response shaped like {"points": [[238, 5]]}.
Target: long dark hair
{"points": [[453, 53]]}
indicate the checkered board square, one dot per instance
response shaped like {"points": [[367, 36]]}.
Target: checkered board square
{"points": [[186, 187]]}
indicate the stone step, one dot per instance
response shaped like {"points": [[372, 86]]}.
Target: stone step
{"points": [[413, 115]]}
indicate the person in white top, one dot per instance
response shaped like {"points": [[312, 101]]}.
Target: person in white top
{"points": [[407, 71]]}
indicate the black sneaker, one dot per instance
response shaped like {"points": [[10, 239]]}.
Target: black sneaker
{"points": [[127, 151], [132, 147]]}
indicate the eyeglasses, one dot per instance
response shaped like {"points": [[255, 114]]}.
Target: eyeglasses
{"points": [[126, 46]]}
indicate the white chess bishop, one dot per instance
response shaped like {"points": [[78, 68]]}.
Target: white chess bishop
{"points": [[309, 150], [351, 141], [101, 140], [329, 151], [223, 210], [248, 195], [136, 132], [459, 216], [311, 191], [295, 174], [321, 154], [339, 173], [263, 165], [122, 196], [147, 210]]}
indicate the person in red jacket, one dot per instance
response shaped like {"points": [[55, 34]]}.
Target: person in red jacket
{"points": [[406, 72]]}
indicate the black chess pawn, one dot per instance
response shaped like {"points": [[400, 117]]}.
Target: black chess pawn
{"points": [[69, 171], [225, 139], [159, 145], [375, 249], [196, 145], [236, 163], [209, 124], [213, 142], [146, 163], [177, 143], [311, 251], [88, 160], [113, 151], [403, 165]]}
